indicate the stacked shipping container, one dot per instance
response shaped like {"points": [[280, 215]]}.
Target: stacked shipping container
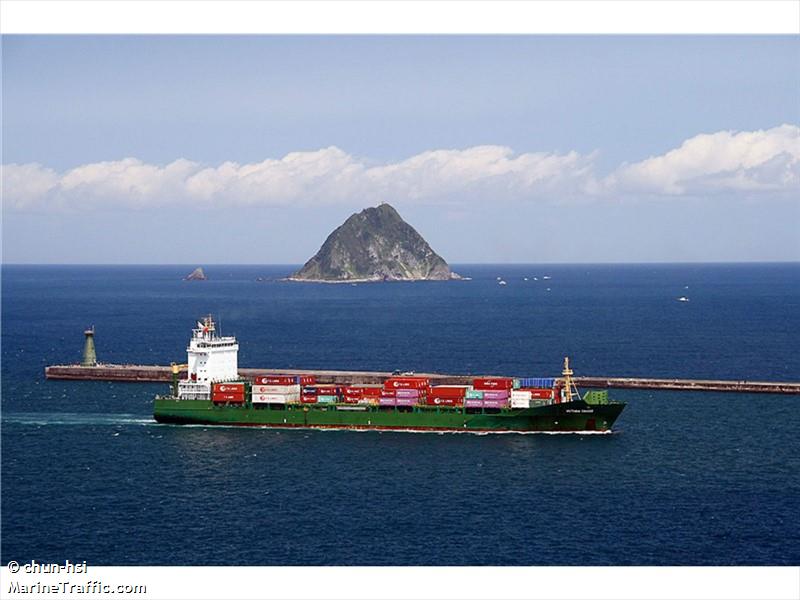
{"points": [[490, 392], [404, 391], [279, 389], [361, 394], [486, 392], [447, 395], [228, 393]]}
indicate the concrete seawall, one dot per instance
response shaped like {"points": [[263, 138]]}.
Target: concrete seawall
{"points": [[158, 373]]}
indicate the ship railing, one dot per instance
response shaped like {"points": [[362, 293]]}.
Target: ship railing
{"points": [[185, 396]]}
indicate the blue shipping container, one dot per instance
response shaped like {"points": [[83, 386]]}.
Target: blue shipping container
{"points": [[537, 382]]}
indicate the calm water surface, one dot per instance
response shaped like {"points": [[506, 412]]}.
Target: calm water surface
{"points": [[687, 478]]}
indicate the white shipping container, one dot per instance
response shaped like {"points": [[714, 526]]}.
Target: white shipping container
{"points": [[520, 395], [520, 402], [269, 398], [276, 389], [275, 398], [463, 387]]}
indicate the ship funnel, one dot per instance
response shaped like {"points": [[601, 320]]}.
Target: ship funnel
{"points": [[89, 354]]}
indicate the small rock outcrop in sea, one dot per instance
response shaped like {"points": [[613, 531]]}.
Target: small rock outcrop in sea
{"points": [[375, 245], [196, 275]]}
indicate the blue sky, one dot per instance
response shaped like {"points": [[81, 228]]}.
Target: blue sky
{"points": [[131, 149]]}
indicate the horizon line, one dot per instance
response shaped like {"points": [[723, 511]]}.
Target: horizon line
{"points": [[477, 264]]}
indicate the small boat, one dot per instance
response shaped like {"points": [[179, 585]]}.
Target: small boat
{"points": [[501, 282], [546, 277], [683, 299]]}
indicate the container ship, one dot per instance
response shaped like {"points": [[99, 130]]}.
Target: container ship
{"points": [[213, 393]]}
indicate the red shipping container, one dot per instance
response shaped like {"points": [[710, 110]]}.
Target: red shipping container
{"points": [[305, 399], [329, 388], [448, 391], [230, 388], [275, 380], [371, 392], [388, 394], [406, 383], [239, 394], [353, 391], [439, 401], [233, 398], [308, 379], [351, 399], [493, 383]]}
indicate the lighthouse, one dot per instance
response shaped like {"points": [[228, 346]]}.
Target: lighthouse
{"points": [[89, 354]]}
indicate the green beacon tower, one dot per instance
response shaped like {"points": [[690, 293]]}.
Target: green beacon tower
{"points": [[89, 354]]}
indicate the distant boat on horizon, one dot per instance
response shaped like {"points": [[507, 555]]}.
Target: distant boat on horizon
{"points": [[683, 299]]}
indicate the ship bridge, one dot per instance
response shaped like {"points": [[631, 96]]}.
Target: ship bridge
{"points": [[210, 359]]}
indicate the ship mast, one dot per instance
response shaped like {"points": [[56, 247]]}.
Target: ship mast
{"points": [[567, 373]]}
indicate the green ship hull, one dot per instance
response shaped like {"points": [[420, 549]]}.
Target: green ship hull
{"points": [[577, 416]]}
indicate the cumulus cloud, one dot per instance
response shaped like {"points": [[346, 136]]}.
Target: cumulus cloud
{"points": [[726, 161], [326, 175], [755, 162], [27, 185], [329, 175]]}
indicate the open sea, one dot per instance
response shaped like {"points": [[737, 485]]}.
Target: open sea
{"points": [[686, 478]]}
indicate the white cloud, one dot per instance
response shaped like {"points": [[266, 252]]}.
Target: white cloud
{"points": [[319, 176], [27, 185], [129, 180], [726, 161], [490, 170], [757, 162]]}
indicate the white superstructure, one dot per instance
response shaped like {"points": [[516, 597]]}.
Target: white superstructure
{"points": [[210, 359]]}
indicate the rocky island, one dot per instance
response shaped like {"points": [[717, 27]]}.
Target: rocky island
{"points": [[196, 275], [375, 244]]}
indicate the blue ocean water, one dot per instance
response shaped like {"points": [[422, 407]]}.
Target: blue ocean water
{"points": [[686, 479]]}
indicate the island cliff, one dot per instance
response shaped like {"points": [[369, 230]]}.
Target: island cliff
{"points": [[375, 244]]}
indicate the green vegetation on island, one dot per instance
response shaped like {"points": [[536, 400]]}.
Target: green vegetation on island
{"points": [[375, 244]]}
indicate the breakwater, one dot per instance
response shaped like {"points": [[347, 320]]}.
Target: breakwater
{"points": [[160, 373]]}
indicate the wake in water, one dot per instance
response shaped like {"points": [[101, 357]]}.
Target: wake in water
{"points": [[43, 419], [463, 432], [278, 428]]}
